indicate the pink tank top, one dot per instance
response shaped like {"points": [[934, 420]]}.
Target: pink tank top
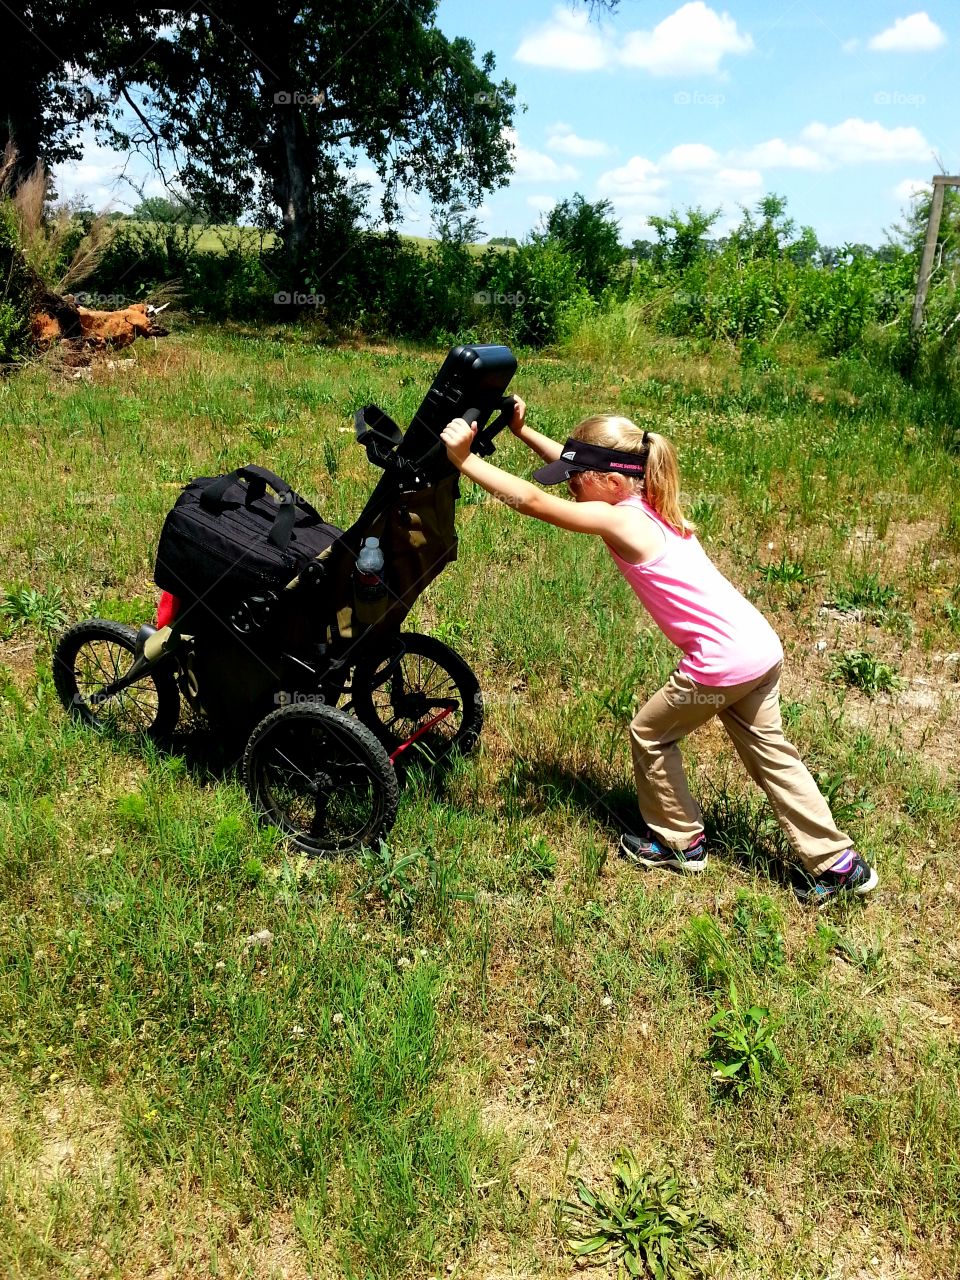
{"points": [[725, 640]]}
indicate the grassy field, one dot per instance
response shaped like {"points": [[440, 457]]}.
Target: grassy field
{"points": [[416, 1072]]}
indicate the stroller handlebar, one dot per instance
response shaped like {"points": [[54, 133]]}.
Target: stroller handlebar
{"points": [[483, 444]]}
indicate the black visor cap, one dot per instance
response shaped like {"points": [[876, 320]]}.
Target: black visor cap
{"points": [[578, 456]]}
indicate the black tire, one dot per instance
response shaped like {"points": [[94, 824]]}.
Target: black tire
{"points": [[397, 694], [93, 654], [321, 778]]}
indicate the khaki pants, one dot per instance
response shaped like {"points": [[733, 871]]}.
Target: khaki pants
{"points": [[750, 713]]}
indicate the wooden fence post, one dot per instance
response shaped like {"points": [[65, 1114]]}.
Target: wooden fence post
{"points": [[940, 183]]}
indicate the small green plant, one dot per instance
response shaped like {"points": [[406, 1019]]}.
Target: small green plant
{"points": [[759, 925], [28, 607], [742, 1048], [864, 670], [712, 958], [703, 514], [536, 861], [846, 805], [266, 436], [450, 630], [643, 1224], [621, 704], [867, 593], [784, 571], [387, 875]]}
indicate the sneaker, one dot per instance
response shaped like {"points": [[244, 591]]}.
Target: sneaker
{"points": [[859, 878], [648, 851]]}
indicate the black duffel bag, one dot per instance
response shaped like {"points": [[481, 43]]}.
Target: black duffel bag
{"points": [[227, 537]]}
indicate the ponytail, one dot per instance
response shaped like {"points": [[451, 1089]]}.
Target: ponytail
{"points": [[661, 484]]}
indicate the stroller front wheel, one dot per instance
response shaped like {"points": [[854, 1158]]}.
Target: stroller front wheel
{"points": [[92, 656], [321, 778]]}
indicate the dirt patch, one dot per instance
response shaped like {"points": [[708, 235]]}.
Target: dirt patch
{"points": [[19, 656], [73, 1136]]}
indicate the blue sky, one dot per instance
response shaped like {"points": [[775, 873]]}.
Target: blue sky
{"points": [[842, 110]]}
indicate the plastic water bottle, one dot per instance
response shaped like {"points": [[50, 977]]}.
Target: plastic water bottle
{"points": [[370, 587]]}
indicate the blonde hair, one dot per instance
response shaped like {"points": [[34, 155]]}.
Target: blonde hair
{"points": [[661, 483]]}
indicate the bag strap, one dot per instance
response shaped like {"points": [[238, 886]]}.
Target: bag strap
{"points": [[282, 530], [256, 477]]}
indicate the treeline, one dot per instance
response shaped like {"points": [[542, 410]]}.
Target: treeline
{"points": [[763, 281]]}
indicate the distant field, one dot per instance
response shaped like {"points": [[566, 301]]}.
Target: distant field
{"points": [[213, 238], [441, 1038]]}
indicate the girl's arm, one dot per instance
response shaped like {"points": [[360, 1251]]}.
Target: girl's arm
{"points": [[548, 449], [631, 537]]}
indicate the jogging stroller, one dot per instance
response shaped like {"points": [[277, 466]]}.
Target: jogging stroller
{"points": [[285, 632]]}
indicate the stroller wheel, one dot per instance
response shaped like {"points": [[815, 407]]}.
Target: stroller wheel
{"points": [[420, 680], [93, 655], [321, 778]]}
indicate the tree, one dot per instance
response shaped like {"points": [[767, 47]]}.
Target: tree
{"points": [[44, 99], [591, 238], [681, 237], [273, 110], [180, 210]]}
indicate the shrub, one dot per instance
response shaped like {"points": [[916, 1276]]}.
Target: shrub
{"points": [[536, 291]]}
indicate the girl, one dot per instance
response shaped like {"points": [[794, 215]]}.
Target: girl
{"points": [[627, 490]]}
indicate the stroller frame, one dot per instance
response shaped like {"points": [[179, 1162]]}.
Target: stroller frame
{"points": [[331, 700]]}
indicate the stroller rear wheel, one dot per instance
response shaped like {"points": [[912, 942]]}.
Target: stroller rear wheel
{"points": [[422, 680], [321, 778], [92, 656]]}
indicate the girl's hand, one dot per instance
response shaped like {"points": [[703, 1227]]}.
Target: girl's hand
{"points": [[458, 437], [519, 419]]}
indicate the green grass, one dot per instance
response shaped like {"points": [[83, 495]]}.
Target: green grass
{"points": [[442, 1038]]}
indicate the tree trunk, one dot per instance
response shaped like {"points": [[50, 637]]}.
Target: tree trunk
{"points": [[292, 192]]}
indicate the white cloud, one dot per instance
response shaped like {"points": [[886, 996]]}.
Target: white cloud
{"points": [[691, 157], [777, 154], [635, 190], [850, 46], [691, 41], [856, 141], [535, 166], [560, 137], [639, 178], [542, 204], [917, 33], [740, 183], [910, 188], [568, 41], [96, 175]]}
